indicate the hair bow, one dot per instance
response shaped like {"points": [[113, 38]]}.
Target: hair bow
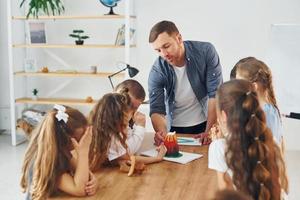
{"points": [[61, 113]]}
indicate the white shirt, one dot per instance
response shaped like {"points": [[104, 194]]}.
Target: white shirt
{"points": [[186, 108], [216, 155], [134, 140]]}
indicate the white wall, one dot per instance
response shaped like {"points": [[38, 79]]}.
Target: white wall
{"points": [[236, 28]]}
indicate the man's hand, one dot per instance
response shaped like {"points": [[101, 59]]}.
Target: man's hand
{"points": [[203, 138], [159, 138]]}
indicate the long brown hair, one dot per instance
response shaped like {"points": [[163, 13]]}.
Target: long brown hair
{"points": [[250, 152], [255, 70], [109, 118], [48, 154]]}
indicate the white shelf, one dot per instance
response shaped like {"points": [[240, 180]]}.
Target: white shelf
{"points": [[72, 17], [50, 101], [69, 46], [67, 74]]}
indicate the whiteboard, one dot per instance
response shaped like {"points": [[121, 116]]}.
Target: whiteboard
{"points": [[283, 58]]}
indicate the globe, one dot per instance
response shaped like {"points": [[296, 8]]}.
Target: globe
{"points": [[110, 4]]}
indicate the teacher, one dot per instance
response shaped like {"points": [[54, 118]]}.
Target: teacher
{"points": [[182, 83]]}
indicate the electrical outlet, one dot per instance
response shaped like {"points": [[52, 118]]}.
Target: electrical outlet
{"points": [[5, 118]]}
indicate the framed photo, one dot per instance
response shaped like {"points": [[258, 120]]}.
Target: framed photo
{"points": [[120, 39], [30, 65], [37, 32]]}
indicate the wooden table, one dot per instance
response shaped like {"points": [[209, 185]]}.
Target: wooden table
{"points": [[160, 181]]}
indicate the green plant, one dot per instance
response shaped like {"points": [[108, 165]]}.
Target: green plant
{"points": [[78, 34], [46, 6], [35, 92]]}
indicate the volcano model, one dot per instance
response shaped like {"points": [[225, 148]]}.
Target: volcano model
{"points": [[172, 145]]}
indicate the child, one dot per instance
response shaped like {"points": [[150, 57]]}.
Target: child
{"points": [[136, 128], [110, 119], [247, 159], [57, 156], [260, 75]]}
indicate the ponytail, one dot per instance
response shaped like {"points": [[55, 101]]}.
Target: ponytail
{"points": [[250, 147], [40, 158], [48, 153]]}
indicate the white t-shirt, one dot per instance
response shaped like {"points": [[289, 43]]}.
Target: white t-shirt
{"points": [[187, 107], [216, 156], [134, 140]]}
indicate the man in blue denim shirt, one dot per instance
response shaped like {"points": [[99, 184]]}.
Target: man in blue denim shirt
{"points": [[182, 83]]}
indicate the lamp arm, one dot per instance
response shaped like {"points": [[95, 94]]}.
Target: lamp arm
{"points": [[112, 85], [110, 76], [117, 72]]}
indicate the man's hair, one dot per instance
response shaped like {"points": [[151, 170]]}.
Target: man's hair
{"points": [[163, 26], [134, 88]]}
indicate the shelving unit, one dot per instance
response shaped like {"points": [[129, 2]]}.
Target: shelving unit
{"points": [[14, 74]]}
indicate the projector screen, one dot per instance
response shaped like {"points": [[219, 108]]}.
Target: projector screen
{"points": [[283, 57]]}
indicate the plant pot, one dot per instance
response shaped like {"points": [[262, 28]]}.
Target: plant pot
{"points": [[79, 42]]}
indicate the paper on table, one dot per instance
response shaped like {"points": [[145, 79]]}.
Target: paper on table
{"points": [[188, 141], [185, 158]]}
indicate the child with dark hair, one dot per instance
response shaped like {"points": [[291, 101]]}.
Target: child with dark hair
{"points": [[136, 127]]}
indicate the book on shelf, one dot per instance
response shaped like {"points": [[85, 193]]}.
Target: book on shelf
{"points": [[120, 39]]}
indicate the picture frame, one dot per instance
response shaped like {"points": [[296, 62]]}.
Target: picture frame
{"points": [[120, 39], [30, 65], [37, 32]]}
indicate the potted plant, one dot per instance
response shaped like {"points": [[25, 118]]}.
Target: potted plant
{"points": [[34, 94], [80, 38], [36, 7]]}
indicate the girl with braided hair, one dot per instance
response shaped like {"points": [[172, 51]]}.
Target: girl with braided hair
{"points": [[110, 118], [258, 73], [57, 156], [247, 159]]}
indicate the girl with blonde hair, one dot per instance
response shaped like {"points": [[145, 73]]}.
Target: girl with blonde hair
{"points": [[57, 156]]}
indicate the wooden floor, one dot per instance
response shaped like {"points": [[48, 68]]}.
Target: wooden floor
{"points": [[161, 181]]}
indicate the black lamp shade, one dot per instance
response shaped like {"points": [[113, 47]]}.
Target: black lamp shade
{"points": [[132, 71]]}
